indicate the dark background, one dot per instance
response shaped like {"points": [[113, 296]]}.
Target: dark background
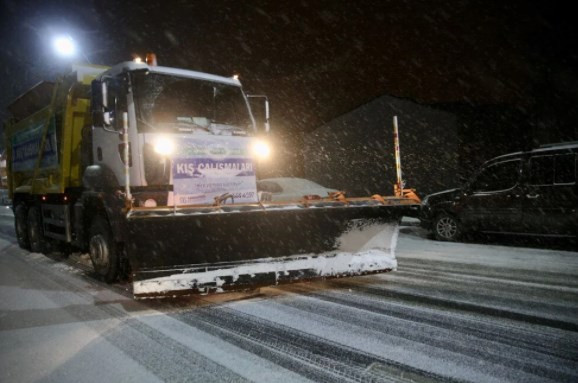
{"points": [[507, 69]]}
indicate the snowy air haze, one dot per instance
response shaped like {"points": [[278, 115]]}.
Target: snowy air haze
{"points": [[143, 250]]}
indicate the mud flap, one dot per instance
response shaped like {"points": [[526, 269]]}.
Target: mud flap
{"points": [[199, 250]]}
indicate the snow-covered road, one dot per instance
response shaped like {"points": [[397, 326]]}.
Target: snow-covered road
{"points": [[452, 312]]}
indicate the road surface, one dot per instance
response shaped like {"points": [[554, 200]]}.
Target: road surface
{"points": [[452, 312]]}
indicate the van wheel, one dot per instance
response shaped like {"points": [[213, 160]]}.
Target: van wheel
{"points": [[21, 226], [103, 250], [446, 228], [35, 231]]}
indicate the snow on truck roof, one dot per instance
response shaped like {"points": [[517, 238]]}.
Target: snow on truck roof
{"points": [[85, 73], [128, 66]]}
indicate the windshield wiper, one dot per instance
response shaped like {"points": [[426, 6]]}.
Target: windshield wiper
{"points": [[193, 124], [177, 125]]}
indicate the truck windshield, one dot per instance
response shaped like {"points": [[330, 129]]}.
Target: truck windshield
{"points": [[171, 103]]}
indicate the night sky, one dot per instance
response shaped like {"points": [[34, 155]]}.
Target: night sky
{"points": [[319, 59]]}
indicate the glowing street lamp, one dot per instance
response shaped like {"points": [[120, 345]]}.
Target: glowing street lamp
{"points": [[64, 46]]}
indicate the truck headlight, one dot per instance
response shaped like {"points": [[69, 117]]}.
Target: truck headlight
{"points": [[261, 149], [164, 146]]}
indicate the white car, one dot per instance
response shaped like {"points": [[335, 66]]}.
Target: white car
{"points": [[291, 189]]}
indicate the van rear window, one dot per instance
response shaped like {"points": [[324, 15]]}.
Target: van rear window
{"points": [[542, 170], [549, 170], [565, 169]]}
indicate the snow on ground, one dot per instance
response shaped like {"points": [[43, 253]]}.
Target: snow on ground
{"points": [[58, 326], [413, 243], [465, 311]]}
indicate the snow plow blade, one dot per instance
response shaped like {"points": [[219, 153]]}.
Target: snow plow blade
{"points": [[179, 251]]}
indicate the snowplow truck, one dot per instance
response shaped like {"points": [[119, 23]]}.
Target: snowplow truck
{"points": [[153, 171]]}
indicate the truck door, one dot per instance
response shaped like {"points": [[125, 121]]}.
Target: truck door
{"points": [[493, 200], [108, 147], [551, 197]]}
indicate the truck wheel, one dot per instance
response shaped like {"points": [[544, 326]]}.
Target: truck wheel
{"points": [[446, 228], [21, 226], [35, 231], [103, 250]]}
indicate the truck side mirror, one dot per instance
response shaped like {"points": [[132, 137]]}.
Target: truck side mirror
{"points": [[107, 116], [264, 107], [97, 103], [101, 113], [267, 117]]}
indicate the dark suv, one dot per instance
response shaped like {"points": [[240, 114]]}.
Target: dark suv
{"points": [[528, 193]]}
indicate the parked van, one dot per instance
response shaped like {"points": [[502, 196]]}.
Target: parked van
{"points": [[527, 193]]}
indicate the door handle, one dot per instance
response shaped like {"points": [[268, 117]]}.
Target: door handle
{"points": [[532, 196]]}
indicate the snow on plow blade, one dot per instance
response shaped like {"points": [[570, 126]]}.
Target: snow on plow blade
{"points": [[234, 247]]}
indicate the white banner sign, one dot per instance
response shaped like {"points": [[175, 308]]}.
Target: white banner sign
{"points": [[205, 168]]}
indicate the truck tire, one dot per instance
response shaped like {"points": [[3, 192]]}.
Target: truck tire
{"points": [[35, 232], [103, 250], [21, 226], [446, 227]]}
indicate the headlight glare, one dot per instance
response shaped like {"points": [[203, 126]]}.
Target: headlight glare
{"points": [[261, 149], [164, 146]]}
